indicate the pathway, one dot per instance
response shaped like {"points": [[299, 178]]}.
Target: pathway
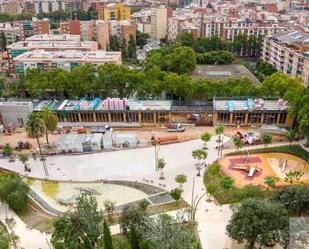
{"points": [[139, 164], [28, 238]]}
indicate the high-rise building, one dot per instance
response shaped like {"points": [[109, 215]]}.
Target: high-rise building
{"points": [[159, 22]]}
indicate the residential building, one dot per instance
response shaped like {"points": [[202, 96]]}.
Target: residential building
{"points": [[288, 52], [123, 29], [159, 22], [11, 8], [66, 60], [102, 34], [71, 27], [49, 43], [114, 11]]}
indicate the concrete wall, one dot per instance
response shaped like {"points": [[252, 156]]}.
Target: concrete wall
{"points": [[15, 112]]}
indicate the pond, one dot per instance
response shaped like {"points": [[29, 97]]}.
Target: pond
{"points": [[61, 195]]}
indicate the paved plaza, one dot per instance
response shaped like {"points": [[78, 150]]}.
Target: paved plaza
{"points": [[139, 165]]}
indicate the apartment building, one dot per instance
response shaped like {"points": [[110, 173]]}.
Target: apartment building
{"points": [[288, 52], [11, 7], [114, 11], [46, 6], [20, 30], [66, 60], [100, 30], [49, 43], [71, 27], [159, 22]]}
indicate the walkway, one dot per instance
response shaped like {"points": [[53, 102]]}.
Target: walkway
{"points": [[28, 238], [139, 164]]}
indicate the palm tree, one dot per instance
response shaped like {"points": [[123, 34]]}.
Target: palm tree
{"points": [[219, 131], [50, 121], [161, 165], [35, 129]]}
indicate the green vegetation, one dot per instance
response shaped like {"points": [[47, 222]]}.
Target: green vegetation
{"points": [[176, 193], [4, 17], [216, 58], [266, 138], [223, 189], [259, 223], [80, 228], [295, 150], [14, 192], [50, 121], [4, 237], [181, 179]]}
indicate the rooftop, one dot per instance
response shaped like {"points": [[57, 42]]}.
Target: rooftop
{"points": [[222, 72], [296, 38], [68, 55], [46, 37]]}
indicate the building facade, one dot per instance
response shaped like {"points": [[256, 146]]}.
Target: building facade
{"points": [[289, 53], [66, 60], [159, 22]]}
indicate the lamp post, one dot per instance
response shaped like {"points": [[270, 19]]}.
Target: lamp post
{"points": [[156, 150]]}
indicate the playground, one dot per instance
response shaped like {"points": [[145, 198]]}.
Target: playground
{"points": [[252, 169]]}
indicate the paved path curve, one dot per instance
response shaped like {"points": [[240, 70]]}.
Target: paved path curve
{"points": [[139, 164]]}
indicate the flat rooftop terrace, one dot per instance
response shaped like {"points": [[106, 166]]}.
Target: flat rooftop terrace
{"points": [[223, 72]]}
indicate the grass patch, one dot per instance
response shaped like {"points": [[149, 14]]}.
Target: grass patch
{"points": [[213, 183], [295, 150]]}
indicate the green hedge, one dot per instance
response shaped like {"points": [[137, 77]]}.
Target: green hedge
{"points": [[295, 150]]}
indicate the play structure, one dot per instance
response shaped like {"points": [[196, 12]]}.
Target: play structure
{"points": [[253, 168], [249, 169]]}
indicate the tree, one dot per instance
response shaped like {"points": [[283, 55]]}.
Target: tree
{"points": [[3, 41], [109, 207], [219, 130], [258, 223], [266, 138], [114, 44], [304, 123], [132, 48], [295, 198], [8, 150], [107, 238], [24, 159], [226, 182], [134, 240], [181, 60], [176, 193], [141, 39], [205, 138], [293, 176], [199, 155], [143, 205], [4, 237], [238, 143], [14, 192], [291, 135], [132, 216], [161, 166], [181, 179], [78, 228], [35, 129], [165, 232], [271, 181], [50, 120]]}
